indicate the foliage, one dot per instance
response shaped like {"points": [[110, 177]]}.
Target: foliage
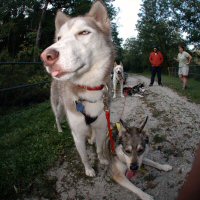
{"points": [[30, 144], [19, 22], [188, 15], [161, 24]]}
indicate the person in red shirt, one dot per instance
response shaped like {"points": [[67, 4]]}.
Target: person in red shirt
{"points": [[156, 60]]}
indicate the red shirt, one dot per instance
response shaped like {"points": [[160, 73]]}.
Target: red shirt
{"points": [[156, 59]]}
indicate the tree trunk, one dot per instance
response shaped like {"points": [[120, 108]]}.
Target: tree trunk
{"points": [[39, 31]]}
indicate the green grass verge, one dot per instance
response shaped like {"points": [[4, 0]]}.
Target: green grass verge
{"points": [[30, 144], [192, 93]]}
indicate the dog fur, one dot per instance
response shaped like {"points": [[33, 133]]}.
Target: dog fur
{"points": [[131, 149], [81, 55], [118, 77]]}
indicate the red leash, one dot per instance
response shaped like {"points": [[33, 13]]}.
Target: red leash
{"points": [[112, 143]]}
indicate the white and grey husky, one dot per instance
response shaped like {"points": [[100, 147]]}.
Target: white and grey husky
{"points": [[80, 62], [118, 77], [130, 150]]}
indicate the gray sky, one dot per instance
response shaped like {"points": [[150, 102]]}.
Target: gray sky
{"points": [[127, 17]]}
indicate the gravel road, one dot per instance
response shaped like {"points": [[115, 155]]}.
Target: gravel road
{"points": [[174, 128]]}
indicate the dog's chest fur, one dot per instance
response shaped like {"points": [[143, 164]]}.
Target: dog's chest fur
{"points": [[91, 100]]}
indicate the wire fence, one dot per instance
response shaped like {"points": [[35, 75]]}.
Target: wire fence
{"points": [[193, 90], [194, 72], [22, 84]]}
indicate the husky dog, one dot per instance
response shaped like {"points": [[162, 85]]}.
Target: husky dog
{"points": [[118, 77], [80, 62], [130, 150]]}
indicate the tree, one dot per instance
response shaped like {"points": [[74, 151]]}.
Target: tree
{"points": [[27, 26], [156, 27], [188, 14]]}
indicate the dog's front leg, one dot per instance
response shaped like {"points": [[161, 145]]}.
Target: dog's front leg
{"points": [[80, 141], [100, 129], [124, 182], [122, 87], [114, 86], [164, 167]]}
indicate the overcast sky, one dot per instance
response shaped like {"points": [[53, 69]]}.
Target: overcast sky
{"points": [[127, 17]]}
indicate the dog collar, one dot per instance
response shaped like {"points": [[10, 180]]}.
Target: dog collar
{"points": [[100, 87]]}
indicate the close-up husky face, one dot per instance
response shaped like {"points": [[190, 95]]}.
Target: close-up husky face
{"points": [[133, 144], [81, 44]]}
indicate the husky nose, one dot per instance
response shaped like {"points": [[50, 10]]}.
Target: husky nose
{"points": [[134, 166], [49, 56]]}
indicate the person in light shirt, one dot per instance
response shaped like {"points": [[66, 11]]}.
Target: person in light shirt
{"points": [[184, 59]]}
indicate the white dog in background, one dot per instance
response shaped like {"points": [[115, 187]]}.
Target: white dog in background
{"points": [[118, 77]]}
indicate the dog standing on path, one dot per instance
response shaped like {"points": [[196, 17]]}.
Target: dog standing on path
{"points": [[118, 77], [80, 62], [131, 147]]}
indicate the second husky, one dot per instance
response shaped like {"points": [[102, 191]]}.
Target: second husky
{"points": [[131, 147]]}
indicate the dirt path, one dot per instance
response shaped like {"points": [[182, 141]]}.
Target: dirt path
{"points": [[173, 124]]}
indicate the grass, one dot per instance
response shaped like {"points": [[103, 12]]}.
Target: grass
{"points": [[192, 93], [30, 144]]}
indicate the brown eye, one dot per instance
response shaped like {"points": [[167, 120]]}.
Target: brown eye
{"points": [[146, 140], [140, 150], [84, 33], [128, 151], [59, 38]]}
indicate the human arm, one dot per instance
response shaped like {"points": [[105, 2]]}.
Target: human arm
{"points": [[190, 189], [176, 59], [161, 58], [151, 58], [189, 59]]}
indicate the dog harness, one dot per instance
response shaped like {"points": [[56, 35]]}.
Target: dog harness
{"points": [[89, 120], [81, 108]]}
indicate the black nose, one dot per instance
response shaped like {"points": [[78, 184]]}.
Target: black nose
{"points": [[119, 72], [134, 166]]}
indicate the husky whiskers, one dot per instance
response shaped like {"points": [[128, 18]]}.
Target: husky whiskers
{"points": [[131, 148], [80, 62]]}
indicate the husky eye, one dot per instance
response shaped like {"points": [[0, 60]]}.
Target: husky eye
{"points": [[59, 37], [146, 140], [128, 151], [140, 150], [84, 33]]}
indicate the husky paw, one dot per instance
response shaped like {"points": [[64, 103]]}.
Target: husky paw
{"points": [[60, 131], [146, 196], [166, 167], [91, 141], [122, 95], [114, 96], [90, 172], [103, 161]]}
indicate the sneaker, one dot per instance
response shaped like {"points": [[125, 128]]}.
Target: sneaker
{"points": [[150, 85], [160, 84]]}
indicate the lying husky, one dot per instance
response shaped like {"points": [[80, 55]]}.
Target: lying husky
{"points": [[130, 148], [118, 77], [80, 62]]}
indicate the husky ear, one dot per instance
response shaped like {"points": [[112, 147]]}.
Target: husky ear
{"points": [[124, 125], [143, 125], [60, 19], [99, 12], [115, 64], [121, 64]]}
